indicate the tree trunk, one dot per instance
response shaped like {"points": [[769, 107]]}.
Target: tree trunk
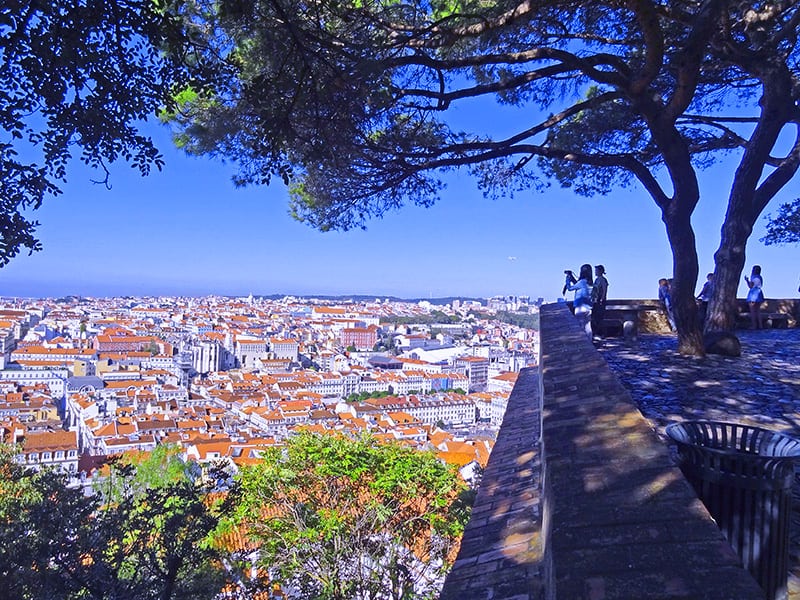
{"points": [[173, 567], [729, 262], [685, 269], [676, 213], [751, 192]]}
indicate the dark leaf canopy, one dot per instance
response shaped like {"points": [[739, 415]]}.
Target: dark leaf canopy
{"points": [[76, 80], [348, 101], [784, 227]]}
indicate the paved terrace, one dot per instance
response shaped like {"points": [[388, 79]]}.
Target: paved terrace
{"points": [[760, 388], [594, 507]]}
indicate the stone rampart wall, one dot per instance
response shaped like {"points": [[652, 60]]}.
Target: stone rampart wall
{"points": [[580, 498], [501, 551]]}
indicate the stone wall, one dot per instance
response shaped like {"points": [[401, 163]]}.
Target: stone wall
{"points": [[501, 551], [580, 498]]}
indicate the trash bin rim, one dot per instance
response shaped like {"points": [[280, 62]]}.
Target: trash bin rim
{"points": [[795, 455]]}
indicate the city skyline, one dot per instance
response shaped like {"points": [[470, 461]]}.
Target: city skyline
{"points": [[189, 231]]}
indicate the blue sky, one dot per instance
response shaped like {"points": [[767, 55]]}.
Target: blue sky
{"points": [[188, 231]]}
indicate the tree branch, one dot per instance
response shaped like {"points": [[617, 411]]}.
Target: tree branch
{"points": [[653, 43], [789, 29], [548, 123], [486, 24], [446, 98], [542, 53], [689, 60], [726, 140], [775, 181]]}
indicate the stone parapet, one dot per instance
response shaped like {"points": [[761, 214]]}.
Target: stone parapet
{"points": [[501, 550], [593, 507]]}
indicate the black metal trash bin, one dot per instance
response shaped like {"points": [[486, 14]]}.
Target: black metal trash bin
{"points": [[744, 477]]}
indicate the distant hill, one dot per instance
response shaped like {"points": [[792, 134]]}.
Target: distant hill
{"points": [[371, 297]]}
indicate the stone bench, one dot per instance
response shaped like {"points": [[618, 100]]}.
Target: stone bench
{"points": [[773, 320], [623, 319], [777, 320], [611, 328]]}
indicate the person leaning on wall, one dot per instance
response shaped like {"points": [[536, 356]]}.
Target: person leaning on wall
{"points": [[704, 297], [665, 299]]}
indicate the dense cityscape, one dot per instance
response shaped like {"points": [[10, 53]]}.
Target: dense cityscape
{"points": [[83, 379]]}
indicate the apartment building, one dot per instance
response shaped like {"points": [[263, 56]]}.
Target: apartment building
{"points": [[476, 370], [50, 449], [362, 338]]}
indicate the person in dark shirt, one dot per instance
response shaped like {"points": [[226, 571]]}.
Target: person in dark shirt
{"points": [[599, 298], [704, 296]]}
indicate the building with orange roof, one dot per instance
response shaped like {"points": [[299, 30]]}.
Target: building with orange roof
{"points": [[55, 378], [477, 371], [129, 343], [123, 445], [468, 467], [270, 421], [411, 432], [126, 381], [326, 385], [208, 450], [8, 342], [504, 382], [28, 407], [316, 428], [284, 348], [331, 361], [248, 351], [295, 411], [327, 311], [80, 408], [400, 417], [451, 409], [50, 449], [274, 365], [457, 458], [415, 364]]}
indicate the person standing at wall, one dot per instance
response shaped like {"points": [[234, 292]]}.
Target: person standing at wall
{"points": [[755, 296], [582, 303], [665, 299], [599, 298]]}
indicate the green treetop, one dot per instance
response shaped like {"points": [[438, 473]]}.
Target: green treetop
{"points": [[338, 518]]}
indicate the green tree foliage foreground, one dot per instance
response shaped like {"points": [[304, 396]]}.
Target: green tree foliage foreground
{"points": [[325, 517], [348, 101], [337, 518], [143, 538]]}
